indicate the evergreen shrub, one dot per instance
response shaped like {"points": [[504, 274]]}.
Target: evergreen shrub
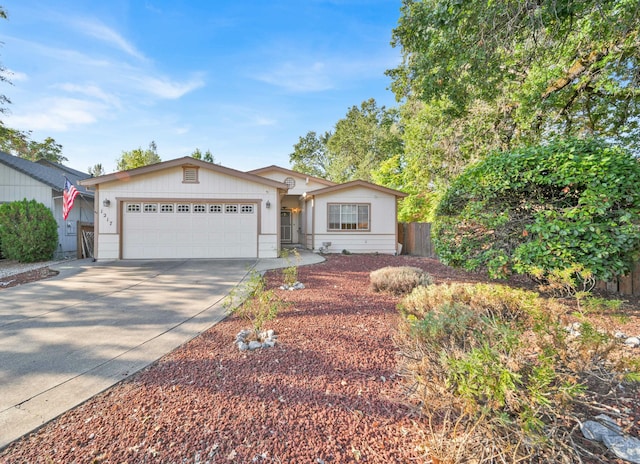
{"points": [[28, 231]]}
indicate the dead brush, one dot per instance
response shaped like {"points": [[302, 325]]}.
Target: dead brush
{"points": [[491, 369], [398, 280]]}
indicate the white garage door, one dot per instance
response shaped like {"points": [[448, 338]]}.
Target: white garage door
{"points": [[189, 230]]}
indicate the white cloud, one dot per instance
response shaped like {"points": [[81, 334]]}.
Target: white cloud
{"points": [[90, 91], [167, 89], [106, 34], [15, 76], [57, 114], [298, 77]]}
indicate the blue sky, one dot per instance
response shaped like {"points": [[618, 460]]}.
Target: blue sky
{"points": [[244, 79]]}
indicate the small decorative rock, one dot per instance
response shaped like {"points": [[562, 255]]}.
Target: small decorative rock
{"points": [[296, 286], [633, 342], [254, 345], [268, 338], [608, 432]]}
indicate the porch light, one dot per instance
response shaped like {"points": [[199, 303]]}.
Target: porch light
{"points": [[268, 204], [106, 202]]}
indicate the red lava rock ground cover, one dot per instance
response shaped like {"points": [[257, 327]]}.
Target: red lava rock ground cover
{"points": [[328, 392]]}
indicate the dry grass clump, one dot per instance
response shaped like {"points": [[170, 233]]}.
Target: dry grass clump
{"points": [[496, 372], [398, 280]]}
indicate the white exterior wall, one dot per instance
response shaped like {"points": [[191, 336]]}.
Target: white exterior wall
{"points": [[382, 218], [167, 184]]}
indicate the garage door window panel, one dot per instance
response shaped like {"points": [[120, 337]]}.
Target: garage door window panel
{"points": [[230, 209], [216, 209], [150, 208], [166, 208], [199, 208], [133, 208], [182, 208]]}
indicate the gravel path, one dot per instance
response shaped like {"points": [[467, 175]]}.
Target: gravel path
{"points": [[328, 392]]}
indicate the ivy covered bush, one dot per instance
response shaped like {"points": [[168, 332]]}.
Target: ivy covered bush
{"points": [[567, 204], [28, 231]]}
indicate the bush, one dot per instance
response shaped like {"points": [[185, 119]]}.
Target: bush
{"points": [[28, 231], [253, 302], [544, 208], [398, 280], [496, 372]]}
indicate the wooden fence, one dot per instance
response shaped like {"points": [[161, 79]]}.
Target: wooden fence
{"points": [[625, 285], [415, 238]]}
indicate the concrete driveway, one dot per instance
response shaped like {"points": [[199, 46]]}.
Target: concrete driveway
{"points": [[65, 339]]}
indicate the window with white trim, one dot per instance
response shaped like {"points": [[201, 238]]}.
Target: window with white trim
{"points": [[348, 216], [199, 208], [166, 208], [182, 208], [133, 208], [230, 208], [291, 182], [215, 208], [246, 209], [150, 208]]}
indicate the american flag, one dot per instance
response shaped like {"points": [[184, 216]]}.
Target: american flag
{"points": [[70, 194]]}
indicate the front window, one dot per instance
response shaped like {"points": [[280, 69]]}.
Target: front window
{"points": [[348, 217]]}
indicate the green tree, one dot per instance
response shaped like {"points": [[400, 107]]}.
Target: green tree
{"points": [[206, 156], [19, 143], [569, 204], [28, 231], [138, 157], [364, 138], [360, 141], [96, 170], [483, 75], [310, 155]]}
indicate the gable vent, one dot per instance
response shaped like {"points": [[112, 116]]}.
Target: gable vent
{"points": [[190, 175]]}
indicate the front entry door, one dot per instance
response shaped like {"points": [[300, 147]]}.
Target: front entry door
{"points": [[285, 226]]}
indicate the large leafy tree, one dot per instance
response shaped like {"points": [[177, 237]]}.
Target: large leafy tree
{"points": [[19, 143], [138, 157], [481, 75], [364, 138], [310, 154]]}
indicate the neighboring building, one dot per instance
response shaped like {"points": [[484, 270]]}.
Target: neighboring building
{"points": [[44, 182], [187, 208]]}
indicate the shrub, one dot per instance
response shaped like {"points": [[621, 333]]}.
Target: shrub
{"points": [[290, 273], [28, 231], [398, 280], [497, 373], [566, 204], [253, 302]]}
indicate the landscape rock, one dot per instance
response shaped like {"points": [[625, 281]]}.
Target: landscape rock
{"points": [[632, 341], [296, 286], [254, 345], [606, 430]]}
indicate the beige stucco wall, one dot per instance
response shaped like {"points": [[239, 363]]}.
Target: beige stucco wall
{"points": [[382, 236]]}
